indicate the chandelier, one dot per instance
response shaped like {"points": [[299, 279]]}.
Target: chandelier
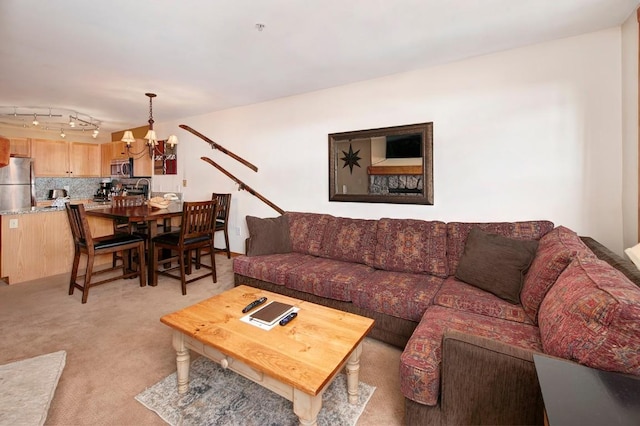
{"points": [[151, 137], [49, 119]]}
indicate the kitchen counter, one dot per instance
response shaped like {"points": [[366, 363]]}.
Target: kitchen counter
{"points": [[44, 209], [36, 243]]}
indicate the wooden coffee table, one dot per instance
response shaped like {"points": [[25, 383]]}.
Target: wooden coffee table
{"points": [[297, 361]]}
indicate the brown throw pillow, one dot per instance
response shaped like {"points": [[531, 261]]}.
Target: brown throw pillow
{"points": [[268, 235], [496, 264]]}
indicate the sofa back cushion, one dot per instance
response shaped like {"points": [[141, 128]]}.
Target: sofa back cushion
{"points": [[410, 245], [496, 264], [350, 240], [306, 231], [268, 235], [555, 251], [592, 315], [457, 233]]}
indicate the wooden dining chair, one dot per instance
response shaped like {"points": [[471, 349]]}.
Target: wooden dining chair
{"points": [[221, 224], [222, 218], [85, 244], [124, 226], [196, 233], [127, 201]]}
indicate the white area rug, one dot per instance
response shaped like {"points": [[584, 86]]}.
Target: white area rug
{"points": [[222, 397], [28, 387]]}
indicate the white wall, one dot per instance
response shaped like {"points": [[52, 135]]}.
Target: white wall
{"points": [[630, 131], [530, 133]]}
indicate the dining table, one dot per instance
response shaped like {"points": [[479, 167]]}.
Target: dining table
{"points": [[143, 213]]}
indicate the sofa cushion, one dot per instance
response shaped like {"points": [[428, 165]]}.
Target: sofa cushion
{"points": [[306, 231], [592, 315], [268, 235], [409, 245], [555, 251], [465, 297], [327, 277], [271, 267], [350, 240], [399, 294], [495, 263], [421, 359], [457, 235]]}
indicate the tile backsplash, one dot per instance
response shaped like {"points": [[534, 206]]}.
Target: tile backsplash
{"points": [[78, 188]]}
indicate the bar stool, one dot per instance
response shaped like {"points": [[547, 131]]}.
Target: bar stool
{"points": [[196, 232], [84, 243]]}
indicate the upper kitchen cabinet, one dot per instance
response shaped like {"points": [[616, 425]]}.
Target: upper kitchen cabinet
{"points": [[119, 150], [116, 150], [65, 159], [142, 163], [20, 147], [106, 156]]}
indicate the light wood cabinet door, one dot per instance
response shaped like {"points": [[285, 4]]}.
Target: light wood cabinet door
{"points": [[65, 159], [51, 158], [143, 165], [84, 159], [20, 147], [105, 159], [118, 150]]}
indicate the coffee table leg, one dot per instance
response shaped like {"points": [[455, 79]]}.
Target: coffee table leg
{"points": [[183, 361], [353, 370], [307, 407]]}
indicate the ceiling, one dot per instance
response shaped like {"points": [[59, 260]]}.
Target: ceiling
{"points": [[199, 56]]}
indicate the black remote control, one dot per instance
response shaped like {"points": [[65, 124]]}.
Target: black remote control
{"points": [[286, 320], [253, 304]]}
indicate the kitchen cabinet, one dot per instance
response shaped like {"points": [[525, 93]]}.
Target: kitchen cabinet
{"points": [[105, 159], [142, 166], [20, 147], [119, 150], [65, 159], [41, 245]]}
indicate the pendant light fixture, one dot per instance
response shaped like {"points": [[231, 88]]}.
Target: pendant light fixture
{"points": [[151, 137]]}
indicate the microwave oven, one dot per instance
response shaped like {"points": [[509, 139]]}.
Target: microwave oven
{"points": [[122, 168]]}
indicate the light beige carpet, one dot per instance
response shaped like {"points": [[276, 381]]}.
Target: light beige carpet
{"points": [[28, 387], [116, 346]]}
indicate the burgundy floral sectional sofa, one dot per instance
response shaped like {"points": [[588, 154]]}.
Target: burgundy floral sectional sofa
{"points": [[470, 303]]}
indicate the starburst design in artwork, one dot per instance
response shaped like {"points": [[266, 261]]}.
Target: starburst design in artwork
{"points": [[351, 158]]}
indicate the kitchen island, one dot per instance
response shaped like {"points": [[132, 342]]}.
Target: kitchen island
{"points": [[37, 242]]}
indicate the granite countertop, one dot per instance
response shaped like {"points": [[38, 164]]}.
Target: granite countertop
{"points": [[44, 209], [87, 205]]}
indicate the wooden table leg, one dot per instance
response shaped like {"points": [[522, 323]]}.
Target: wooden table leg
{"points": [[353, 370], [183, 362], [307, 407]]}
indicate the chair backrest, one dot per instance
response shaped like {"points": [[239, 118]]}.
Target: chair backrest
{"points": [[224, 205], [79, 224], [198, 219], [127, 200]]}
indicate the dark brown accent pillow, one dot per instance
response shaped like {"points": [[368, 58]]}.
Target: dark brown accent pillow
{"points": [[496, 264], [268, 235]]}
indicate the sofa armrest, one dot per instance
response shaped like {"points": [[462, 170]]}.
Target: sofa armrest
{"points": [[488, 382]]}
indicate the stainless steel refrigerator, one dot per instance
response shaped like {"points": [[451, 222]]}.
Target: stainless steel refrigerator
{"points": [[17, 185]]}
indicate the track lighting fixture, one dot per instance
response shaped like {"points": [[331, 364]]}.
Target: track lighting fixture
{"points": [[48, 119]]}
